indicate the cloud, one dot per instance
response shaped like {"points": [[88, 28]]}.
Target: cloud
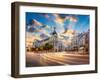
{"points": [[43, 36], [30, 38], [61, 20], [72, 22], [58, 19], [36, 23], [44, 31], [71, 18], [46, 15], [69, 33], [59, 23], [36, 27]]}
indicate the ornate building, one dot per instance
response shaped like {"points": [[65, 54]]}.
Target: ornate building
{"points": [[53, 40]]}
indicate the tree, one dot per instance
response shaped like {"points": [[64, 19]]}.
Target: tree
{"points": [[47, 46]]}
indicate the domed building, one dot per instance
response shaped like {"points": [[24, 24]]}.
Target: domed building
{"points": [[57, 44]]}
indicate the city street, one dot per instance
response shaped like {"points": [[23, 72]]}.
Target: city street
{"points": [[55, 59]]}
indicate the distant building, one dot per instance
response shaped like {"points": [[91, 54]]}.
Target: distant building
{"points": [[79, 42]]}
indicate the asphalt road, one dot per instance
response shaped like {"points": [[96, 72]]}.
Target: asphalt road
{"points": [[55, 59]]}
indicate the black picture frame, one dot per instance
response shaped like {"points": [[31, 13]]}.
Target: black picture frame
{"points": [[15, 38]]}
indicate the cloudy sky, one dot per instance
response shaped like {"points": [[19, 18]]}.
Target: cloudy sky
{"points": [[41, 25]]}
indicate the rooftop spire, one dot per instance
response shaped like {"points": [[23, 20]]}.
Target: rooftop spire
{"points": [[54, 31]]}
